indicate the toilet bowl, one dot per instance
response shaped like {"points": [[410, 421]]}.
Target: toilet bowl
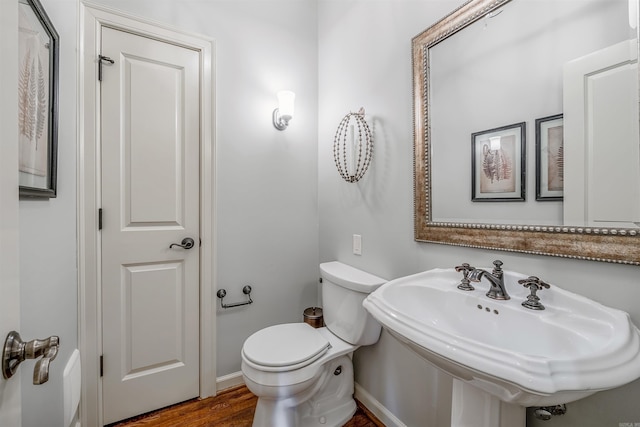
{"points": [[303, 376]]}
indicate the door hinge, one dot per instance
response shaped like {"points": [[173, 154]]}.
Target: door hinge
{"points": [[101, 365], [100, 219], [102, 58]]}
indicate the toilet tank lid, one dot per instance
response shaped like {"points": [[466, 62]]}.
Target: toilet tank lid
{"points": [[350, 277]]}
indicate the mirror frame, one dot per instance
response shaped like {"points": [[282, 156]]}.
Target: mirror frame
{"points": [[588, 243]]}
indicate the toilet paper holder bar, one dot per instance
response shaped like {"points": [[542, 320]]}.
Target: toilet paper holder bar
{"points": [[223, 293]]}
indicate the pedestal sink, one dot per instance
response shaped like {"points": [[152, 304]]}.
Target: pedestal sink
{"points": [[503, 356]]}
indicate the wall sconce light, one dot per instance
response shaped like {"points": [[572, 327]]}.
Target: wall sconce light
{"points": [[284, 112]]}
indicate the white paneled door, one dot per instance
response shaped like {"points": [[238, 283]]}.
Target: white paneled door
{"points": [[10, 394], [150, 139], [600, 101]]}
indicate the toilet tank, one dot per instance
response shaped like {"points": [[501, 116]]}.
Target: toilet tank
{"points": [[344, 288]]}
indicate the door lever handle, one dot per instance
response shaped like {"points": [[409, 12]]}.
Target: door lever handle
{"points": [[187, 243], [16, 351]]}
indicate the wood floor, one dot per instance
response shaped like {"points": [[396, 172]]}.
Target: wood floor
{"points": [[230, 408]]}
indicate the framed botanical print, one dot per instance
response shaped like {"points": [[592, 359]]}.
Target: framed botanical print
{"points": [[38, 46], [498, 164], [550, 158]]}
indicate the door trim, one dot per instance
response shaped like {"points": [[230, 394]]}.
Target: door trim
{"points": [[92, 19]]}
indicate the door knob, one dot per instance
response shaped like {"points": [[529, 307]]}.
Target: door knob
{"points": [[187, 243], [16, 351]]}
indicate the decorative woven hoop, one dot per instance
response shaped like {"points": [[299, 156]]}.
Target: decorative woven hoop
{"points": [[353, 134]]}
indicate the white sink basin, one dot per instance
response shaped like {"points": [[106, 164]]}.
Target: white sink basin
{"points": [[570, 350]]}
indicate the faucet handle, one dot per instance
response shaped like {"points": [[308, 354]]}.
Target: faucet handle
{"points": [[532, 281], [465, 284], [497, 264], [534, 284]]}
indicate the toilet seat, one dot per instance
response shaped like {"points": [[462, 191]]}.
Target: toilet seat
{"points": [[284, 347]]}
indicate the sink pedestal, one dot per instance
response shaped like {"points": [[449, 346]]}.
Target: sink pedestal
{"points": [[472, 407]]}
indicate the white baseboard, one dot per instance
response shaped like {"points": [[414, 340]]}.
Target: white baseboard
{"points": [[227, 381], [376, 408]]}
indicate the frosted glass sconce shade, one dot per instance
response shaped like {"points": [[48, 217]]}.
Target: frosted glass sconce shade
{"points": [[284, 112]]}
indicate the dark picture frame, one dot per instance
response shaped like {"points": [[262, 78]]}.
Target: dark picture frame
{"points": [[38, 53], [498, 164], [550, 158]]}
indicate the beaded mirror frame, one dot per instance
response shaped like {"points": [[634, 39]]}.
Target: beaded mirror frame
{"points": [[587, 243]]}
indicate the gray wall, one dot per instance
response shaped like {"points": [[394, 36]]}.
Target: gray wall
{"points": [[364, 60]]}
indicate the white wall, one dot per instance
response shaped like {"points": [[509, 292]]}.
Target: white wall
{"points": [[48, 278], [364, 60]]}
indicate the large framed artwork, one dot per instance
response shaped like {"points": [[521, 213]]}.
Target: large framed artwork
{"points": [[498, 164], [38, 46], [550, 158]]}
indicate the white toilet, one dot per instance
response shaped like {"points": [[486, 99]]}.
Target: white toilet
{"points": [[304, 376]]}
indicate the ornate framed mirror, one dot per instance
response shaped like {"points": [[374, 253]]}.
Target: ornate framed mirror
{"points": [[462, 88]]}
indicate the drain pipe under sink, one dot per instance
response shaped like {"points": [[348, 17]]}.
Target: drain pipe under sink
{"points": [[545, 413]]}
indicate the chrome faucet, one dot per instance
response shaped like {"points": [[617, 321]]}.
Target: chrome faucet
{"points": [[496, 278]]}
